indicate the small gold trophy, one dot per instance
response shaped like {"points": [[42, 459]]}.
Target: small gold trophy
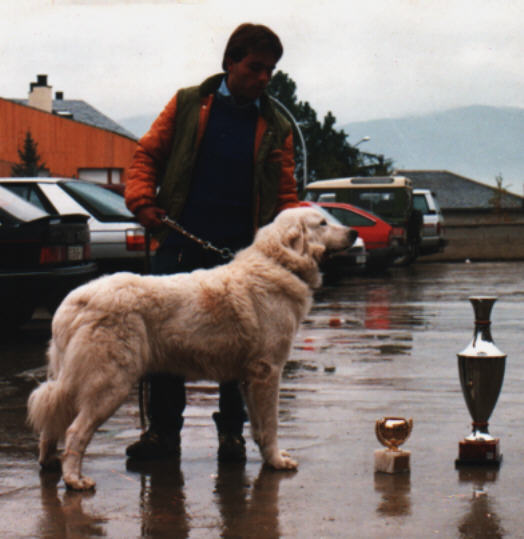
{"points": [[392, 432]]}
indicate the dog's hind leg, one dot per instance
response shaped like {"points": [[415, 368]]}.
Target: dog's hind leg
{"points": [[93, 413], [78, 435], [261, 394], [48, 458]]}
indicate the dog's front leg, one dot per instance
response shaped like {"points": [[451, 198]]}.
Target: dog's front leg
{"points": [[261, 395]]}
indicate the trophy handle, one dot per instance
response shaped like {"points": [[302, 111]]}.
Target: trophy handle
{"points": [[380, 438]]}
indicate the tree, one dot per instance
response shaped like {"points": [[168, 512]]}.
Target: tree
{"points": [[30, 164], [497, 200], [329, 153]]}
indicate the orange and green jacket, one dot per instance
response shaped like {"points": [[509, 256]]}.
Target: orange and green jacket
{"points": [[163, 163]]}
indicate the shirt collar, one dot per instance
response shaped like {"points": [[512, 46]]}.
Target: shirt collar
{"points": [[224, 91]]}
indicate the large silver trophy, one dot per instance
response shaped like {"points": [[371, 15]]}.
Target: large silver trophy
{"points": [[481, 370]]}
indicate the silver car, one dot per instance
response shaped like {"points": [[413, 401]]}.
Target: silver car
{"points": [[432, 240], [117, 241]]}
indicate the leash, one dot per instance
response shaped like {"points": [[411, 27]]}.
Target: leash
{"points": [[143, 402], [143, 385], [225, 253]]}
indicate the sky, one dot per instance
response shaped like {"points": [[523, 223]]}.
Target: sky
{"points": [[360, 60]]}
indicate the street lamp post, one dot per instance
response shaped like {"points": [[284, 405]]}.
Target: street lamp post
{"points": [[300, 136], [363, 139]]}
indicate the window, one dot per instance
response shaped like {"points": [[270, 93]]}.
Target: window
{"points": [[349, 218], [31, 193], [13, 209], [105, 205], [100, 175], [420, 203]]}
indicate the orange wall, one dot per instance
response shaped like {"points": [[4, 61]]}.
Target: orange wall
{"points": [[63, 144]]}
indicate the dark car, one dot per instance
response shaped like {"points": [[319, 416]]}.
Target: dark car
{"points": [[382, 245], [118, 242], [42, 258]]}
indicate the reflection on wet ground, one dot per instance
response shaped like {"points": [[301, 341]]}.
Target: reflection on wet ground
{"points": [[371, 347], [481, 519], [395, 491]]}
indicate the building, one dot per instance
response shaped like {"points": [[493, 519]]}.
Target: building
{"points": [[74, 139], [464, 200], [482, 222]]}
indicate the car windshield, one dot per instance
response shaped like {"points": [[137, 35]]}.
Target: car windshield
{"points": [[349, 218], [420, 203], [328, 216], [16, 209], [105, 205], [391, 204]]}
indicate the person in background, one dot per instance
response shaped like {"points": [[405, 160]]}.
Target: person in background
{"points": [[218, 160]]}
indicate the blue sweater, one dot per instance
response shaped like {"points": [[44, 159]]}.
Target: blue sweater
{"points": [[219, 207]]}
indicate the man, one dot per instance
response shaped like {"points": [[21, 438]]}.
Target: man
{"points": [[221, 157]]}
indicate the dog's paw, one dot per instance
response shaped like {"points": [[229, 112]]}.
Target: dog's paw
{"points": [[283, 462], [79, 483]]}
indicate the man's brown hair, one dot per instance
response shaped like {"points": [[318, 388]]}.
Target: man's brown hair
{"points": [[252, 38]]}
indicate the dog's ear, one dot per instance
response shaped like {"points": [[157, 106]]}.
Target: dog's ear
{"points": [[302, 243], [295, 237], [287, 243]]}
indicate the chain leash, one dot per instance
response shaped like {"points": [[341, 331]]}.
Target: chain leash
{"points": [[225, 253]]}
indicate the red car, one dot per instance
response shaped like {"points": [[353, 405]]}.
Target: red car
{"points": [[379, 237]]}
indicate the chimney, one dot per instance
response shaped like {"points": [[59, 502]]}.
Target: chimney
{"points": [[40, 94]]}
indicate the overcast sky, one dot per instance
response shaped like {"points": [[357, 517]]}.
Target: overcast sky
{"points": [[361, 60]]}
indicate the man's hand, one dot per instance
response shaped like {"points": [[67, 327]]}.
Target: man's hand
{"points": [[150, 216]]}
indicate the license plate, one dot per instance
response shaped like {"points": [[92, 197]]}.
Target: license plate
{"points": [[75, 252]]}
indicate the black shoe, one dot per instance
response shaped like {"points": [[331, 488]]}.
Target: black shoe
{"points": [[231, 448], [153, 445]]}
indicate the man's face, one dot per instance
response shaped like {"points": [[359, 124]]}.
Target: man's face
{"points": [[248, 78]]}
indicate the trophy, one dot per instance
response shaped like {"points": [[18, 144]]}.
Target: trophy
{"points": [[481, 370], [392, 432]]}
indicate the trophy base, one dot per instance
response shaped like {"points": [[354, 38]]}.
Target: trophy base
{"points": [[479, 453], [392, 461]]}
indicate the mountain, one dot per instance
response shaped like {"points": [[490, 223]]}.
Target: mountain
{"points": [[478, 142], [138, 125]]}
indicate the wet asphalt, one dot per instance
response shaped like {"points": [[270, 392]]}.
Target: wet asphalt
{"points": [[372, 346]]}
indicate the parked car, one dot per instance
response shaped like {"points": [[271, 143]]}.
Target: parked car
{"points": [[389, 197], [42, 258], [433, 240], [381, 243], [342, 263], [117, 242]]}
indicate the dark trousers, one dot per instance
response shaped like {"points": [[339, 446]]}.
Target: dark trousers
{"points": [[167, 394]]}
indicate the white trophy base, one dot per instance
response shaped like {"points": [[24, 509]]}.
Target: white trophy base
{"points": [[392, 461]]}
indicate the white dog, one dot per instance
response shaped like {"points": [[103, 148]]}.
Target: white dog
{"points": [[232, 322]]}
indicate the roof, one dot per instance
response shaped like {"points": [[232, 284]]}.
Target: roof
{"points": [[83, 112], [358, 181], [455, 192]]}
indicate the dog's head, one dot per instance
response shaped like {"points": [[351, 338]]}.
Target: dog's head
{"points": [[299, 238]]}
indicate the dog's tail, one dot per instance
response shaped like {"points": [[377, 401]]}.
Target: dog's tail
{"points": [[49, 410]]}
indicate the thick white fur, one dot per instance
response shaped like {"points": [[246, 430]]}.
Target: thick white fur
{"points": [[233, 322]]}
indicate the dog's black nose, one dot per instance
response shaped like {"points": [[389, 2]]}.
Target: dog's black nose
{"points": [[352, 235]]}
